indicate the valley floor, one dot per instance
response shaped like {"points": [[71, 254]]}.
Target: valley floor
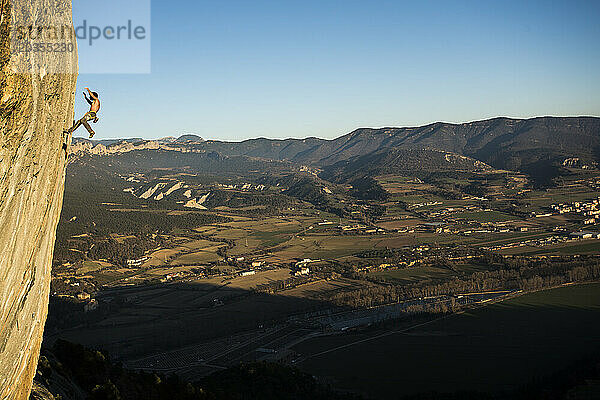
{"points": [[495, 348]]}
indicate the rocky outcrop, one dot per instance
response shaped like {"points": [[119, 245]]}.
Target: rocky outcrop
{"points": [[37, 92], [117, 148]]}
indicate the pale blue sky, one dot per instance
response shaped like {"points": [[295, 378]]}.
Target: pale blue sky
{"points": [[241, 69]]}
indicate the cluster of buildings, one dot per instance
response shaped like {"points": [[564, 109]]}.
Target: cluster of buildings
{"points": [[359, 228], [175, 275], [427, 204], [448, 211], [384, 266], [585, 235], [411, 256], [137, 262], [547, 241], [541, 242], [590, 210], [301, 267], [493, 227], [75, 291], [480, 227]]}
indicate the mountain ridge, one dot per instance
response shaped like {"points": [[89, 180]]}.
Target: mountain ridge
{"points": [[535, 145]]}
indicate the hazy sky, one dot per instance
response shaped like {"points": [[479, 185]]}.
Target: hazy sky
{"points": [[241, 69]]}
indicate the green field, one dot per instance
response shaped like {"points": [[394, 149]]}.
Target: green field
{"points": [[561, 196], [270, 239], [485, 216], [499, 347], [582, 248], [90, 266], [412, 274]]}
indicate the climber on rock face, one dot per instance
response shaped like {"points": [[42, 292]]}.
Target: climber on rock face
{"points": [[91, 115]]}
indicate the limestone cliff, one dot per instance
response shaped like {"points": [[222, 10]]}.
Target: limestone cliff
{"points": [[37, 91]]}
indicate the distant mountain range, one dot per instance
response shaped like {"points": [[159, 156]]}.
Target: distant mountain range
{"points": [[537, 146]]}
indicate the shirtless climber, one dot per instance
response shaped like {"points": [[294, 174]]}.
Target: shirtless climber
{"points": [[94, 103]]}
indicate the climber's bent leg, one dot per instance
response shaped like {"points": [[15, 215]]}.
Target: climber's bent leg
{"points": [[88, 127], [89, 116], [76, 124]]}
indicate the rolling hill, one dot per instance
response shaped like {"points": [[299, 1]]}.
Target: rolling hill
{"points": [[401, 160], [536, 146]]}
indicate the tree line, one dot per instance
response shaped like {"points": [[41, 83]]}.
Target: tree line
{"points": [[512, 274]]}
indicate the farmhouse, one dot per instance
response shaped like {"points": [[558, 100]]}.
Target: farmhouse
{"points": [[136, 262], [585, 235], [302, 271], [83, 296]]}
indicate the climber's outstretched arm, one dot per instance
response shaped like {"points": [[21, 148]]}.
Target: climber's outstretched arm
{"points": [[91, 94]]}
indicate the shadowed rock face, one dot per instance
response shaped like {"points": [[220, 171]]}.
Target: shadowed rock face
{"points": [[36, 103]]}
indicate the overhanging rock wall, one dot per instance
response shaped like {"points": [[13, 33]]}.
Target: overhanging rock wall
{"points": [[37, 92]]}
